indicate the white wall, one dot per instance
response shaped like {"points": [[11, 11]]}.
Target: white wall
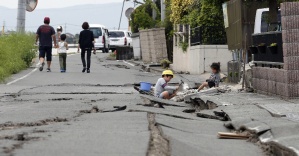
{"points": [[136, 47], [198, 59]]}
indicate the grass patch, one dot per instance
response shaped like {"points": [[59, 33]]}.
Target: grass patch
{"points": [[112, 56], [16, 53]]}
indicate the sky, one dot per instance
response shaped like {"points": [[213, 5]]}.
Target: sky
{"points": [[73, 14], [44, 4]]}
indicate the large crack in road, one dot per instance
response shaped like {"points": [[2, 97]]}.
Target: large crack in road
{"points": [[158, 144]]}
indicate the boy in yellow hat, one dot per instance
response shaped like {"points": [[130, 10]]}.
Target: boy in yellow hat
{"points": [[162, 90]]}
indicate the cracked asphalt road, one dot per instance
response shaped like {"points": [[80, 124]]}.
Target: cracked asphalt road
{"points": [[68, 114]]}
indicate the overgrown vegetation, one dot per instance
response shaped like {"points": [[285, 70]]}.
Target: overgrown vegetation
{"points": [[184, 45], [16, 53], [142, 16], [206, 14]]}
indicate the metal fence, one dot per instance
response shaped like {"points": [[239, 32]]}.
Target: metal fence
{"points": [[208, 35]]}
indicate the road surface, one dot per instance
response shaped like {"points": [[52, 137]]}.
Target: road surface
{"points": [[72, 114]]}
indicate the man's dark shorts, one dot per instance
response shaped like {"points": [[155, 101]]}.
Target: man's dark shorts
{"points": [[45, 51]]}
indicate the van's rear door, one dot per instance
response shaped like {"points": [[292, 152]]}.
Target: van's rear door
{"points": [[117, 38], [97, 33]]}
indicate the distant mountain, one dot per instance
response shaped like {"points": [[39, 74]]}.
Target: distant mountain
{"points": [[71, 17]]}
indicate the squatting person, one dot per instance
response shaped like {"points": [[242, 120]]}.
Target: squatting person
{"points": [[162, 90]]}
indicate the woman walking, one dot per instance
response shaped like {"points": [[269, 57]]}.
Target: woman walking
{"points": [[86, 44]]}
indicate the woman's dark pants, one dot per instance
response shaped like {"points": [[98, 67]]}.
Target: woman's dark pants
{"points": [[88, 52]]}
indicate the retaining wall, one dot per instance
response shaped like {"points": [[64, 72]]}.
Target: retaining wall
{"points": [[283, 82]]}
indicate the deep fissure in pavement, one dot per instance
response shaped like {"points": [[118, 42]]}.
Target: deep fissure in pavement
{"points": [[170, 115], [158, 144]]}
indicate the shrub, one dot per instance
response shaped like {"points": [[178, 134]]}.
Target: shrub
{"points": [[16, 53]]}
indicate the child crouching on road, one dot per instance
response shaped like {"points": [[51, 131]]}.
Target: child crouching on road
{"points": [[162, 90], [62, 51], [214, 79]]}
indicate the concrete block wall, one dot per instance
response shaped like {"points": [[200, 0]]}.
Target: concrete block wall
{"points": [[153, 45], [283, 82], [197, 59]]}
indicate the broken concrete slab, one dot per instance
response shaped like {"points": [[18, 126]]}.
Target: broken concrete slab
{"points": [[189, 137], [163, 102], [187, 98], [280, 110], [246, 113], [256, 127]]}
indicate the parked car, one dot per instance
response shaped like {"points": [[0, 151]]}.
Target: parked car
{"points": [[101, 35], [119, 38]]}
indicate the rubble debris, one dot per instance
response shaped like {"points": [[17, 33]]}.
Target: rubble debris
{"points": [[61, 99], [187, 98], [227, 135], [155, 100], [21, 136], [181, 95], [223, 115], [116, 65], [189, 110], [119, 108], [207, 116], [159, 106], [94, 109]]}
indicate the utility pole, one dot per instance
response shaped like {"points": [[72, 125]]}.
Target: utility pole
{"points": [[154, 12], [163, 7], [121, 14], [3, 28], [21, 16]]}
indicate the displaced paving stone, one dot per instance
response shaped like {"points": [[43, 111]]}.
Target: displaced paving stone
{"points": [[280, 110]]}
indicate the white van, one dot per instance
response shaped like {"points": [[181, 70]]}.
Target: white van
{"points": [[261, 24], [101, 36]]}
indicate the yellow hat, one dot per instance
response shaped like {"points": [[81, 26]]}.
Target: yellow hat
{"points": [[167, 72]]}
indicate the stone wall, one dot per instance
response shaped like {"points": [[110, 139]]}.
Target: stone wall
{"points": [[153, 45], [283, 82]]}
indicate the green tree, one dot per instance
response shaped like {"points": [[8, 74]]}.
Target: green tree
{"points": [[142, 18]]}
